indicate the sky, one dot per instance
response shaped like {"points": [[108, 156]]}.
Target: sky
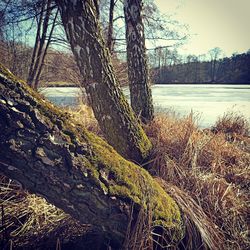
{"points": [[212, 23]]}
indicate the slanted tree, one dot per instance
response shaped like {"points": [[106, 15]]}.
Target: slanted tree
{"points": [[140, 92], [115, 117], [49, 154]]}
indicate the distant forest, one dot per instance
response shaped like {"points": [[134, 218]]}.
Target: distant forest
{"points": [[234, 69], [167, 67]]}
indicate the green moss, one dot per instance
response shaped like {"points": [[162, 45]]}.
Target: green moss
{"points": [[4, 71], [135, 183], [125, 179], [143, 143]]}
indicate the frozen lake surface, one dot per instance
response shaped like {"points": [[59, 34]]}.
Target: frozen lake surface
{"points": [[208, 101]]}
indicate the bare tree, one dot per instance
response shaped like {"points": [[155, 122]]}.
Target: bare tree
{"points": [[110, 42], [38, 16], [214, 56], [42, 42]]}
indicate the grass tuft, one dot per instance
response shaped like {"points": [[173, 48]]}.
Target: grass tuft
{"points": [[232, 124]]}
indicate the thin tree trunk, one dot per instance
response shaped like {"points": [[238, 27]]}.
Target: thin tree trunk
{"points": [[44, 150], [36, 46], [116, 119], [140, 92], [41, 43], [39, 52], [39, 71], [110, 42]]}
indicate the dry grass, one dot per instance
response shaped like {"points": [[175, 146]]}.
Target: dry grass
{"points": [[233, 125], [83, 114], [29, 220], [206, 171]]}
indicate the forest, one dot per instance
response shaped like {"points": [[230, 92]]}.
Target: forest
{"points": [[113, 174], [234, 69]]}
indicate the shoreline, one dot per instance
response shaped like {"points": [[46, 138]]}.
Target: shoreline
{"points": [[176, 83]]}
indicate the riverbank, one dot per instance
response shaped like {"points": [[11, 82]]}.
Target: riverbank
{"points": [[65, 85], [205, 170]]}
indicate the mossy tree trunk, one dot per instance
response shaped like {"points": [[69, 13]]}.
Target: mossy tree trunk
{"points": [[115, 117], [140, 92], [51, 155]]}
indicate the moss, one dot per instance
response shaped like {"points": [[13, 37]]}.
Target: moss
{"points": [[124, 179], [143, 143], [4, 71], [135, 183]]}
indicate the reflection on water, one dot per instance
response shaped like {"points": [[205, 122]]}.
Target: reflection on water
{"points": [[210, 101]]}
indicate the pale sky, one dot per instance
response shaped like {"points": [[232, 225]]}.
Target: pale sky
{"points": [[213, 23]]}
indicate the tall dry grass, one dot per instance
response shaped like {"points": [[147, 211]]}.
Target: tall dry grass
{"points": [[208, 174], [206, 171]]}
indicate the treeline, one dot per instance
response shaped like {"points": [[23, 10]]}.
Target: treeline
{"points": [[234, 69]]}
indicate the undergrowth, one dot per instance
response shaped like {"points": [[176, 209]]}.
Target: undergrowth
{"points": [[206, 171]]}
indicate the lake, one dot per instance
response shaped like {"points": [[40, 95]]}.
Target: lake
{"points": [[208, 101]]}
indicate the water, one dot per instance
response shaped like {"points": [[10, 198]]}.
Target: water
{"points": [[63, 96], [208, 101]]}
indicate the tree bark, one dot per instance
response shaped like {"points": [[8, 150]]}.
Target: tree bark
{"points": [[140, 92], [115, 117], [49, 154]]}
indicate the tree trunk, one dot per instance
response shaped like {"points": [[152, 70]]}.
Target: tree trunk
{"points": [[116, 119], [140, 92], [39, 70], [39, 51], [35, 49], [110, 42], [43, 149]]}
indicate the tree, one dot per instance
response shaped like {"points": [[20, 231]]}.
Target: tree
{"points": [[42, 42], [2, 22], [140, 92], [214, 55], [110, 42], [115, 117], [38, 16], [49, 154]]}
